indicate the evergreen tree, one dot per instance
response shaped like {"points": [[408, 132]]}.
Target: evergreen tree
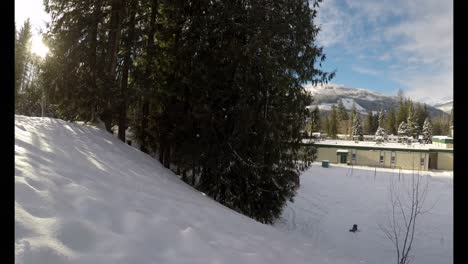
{"points": [[350, 122], [427, 131], [343, 118], [213, 87], [357, 128], [412, 126], [315, 120], [381, 118], [128, 40], [402, 113], [420, 115], [403, 129], [326, 125], [381, 130], [342, 114], [333, 126], [22, 56], [241, 91], [391, 121], [370, 123]]}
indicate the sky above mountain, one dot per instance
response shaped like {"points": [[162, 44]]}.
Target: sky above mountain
{"points": [[388, 45], [382, 45]]}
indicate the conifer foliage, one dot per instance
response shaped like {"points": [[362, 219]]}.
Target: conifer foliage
{"points": [[427, 131], [403, 129], [381, 130], [357, 128], [213, 88]]}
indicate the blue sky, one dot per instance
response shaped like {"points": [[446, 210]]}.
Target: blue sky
{"points": [[380, 45], [385, 45]]}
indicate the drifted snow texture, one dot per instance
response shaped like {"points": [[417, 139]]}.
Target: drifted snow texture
{"points": [[331, 200], [82, 196]]}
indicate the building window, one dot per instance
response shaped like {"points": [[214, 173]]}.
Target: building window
{"points": [[381, 158], [393, 159], [422, 161]]}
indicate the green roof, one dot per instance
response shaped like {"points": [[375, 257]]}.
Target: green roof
{"points": [[445, 140]]}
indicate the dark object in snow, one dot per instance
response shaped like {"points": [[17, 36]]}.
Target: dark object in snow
{"points": [[354, 229]]}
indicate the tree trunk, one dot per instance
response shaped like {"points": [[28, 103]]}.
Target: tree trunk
{"points": [[149, 51], [113, 48], [126, 67], [144, 125], [92, 57]]}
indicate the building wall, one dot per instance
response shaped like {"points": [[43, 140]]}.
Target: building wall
{"points": [[367, 157], [371, 157], [444, 161], [327, 154], [443, 145]]}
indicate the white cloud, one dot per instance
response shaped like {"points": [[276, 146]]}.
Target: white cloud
{"points": [[364, 70], [333, 23], [385, 57], [416, 35], [428, 88]]}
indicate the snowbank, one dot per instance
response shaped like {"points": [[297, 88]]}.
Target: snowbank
{"points": [[82, 196]]}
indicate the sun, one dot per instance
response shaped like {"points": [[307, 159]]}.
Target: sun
{"points": [[38, 47]]}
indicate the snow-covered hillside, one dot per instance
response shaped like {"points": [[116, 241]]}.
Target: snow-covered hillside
{"points": [[82, 196], [365, 100], [445, 106], [331, 200]]}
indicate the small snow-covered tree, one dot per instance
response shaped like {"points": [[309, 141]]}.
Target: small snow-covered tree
{"points": [[427, 131], [381, 118], [357, 128], [381, 133], [403, 131], [412, 126]]}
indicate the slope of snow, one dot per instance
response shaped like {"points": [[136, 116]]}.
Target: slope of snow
{"points": [[349, 102], [445, 106], [82, 196], [331, 200], [341, 90]]}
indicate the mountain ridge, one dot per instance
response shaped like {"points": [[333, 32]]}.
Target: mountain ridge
{"points": [[327, 95]]}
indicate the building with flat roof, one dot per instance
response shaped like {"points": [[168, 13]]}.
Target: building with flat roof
{"points": [[437, 156]]}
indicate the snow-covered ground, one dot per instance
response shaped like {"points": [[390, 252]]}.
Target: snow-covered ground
{"points": [[331, 200], [82, 196]]}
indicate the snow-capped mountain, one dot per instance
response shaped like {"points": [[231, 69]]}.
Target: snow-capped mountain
{"points": [[445, 106], [327, 95]]}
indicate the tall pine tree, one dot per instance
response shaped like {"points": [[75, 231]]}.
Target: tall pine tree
{"points": [[333, 126], [391, 121], [22, 56], [357, 128]]}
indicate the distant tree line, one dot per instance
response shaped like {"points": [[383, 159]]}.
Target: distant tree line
{"points": [[407, 118], [214, 89]]}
